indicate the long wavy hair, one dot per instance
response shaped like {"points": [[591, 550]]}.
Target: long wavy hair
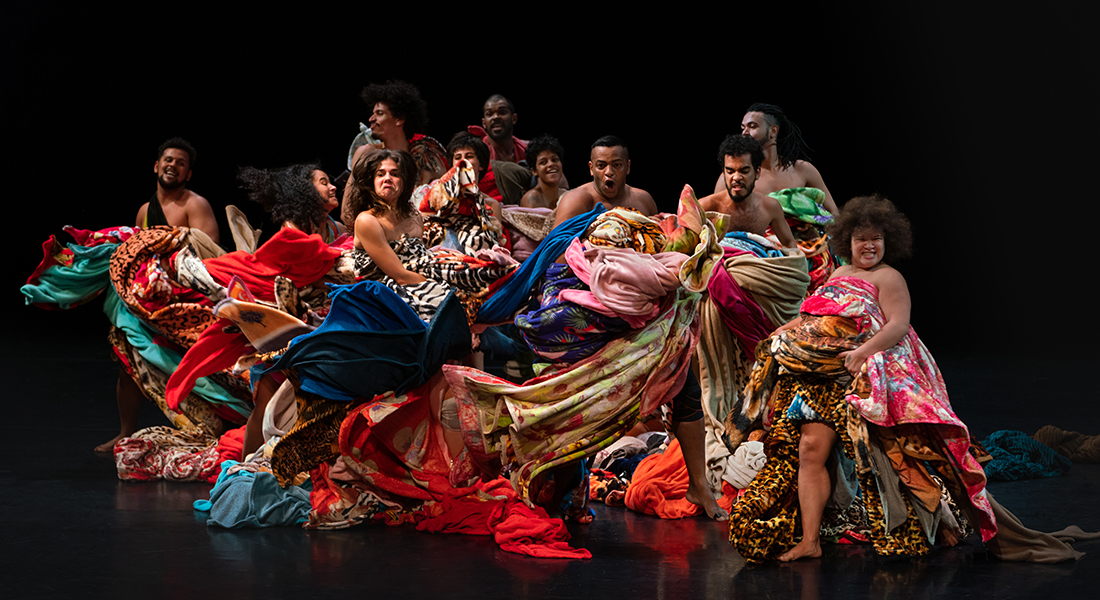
{"points": [[287, 194], [362, 197]]}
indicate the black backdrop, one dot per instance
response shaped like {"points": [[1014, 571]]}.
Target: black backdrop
{"points": [[977, 124]]}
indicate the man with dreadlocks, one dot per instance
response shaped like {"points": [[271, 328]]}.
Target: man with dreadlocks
{"points": [[796, 184], [785, 153]]}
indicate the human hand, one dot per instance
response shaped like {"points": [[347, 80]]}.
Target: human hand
{"points": [[854, 360]]}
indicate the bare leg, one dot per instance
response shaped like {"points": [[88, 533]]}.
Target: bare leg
{"points": [[254, 427], [692, 438], [814, 488], [128, 395]]}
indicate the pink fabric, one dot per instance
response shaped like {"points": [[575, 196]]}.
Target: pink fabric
{"points": [[744, 318], [623, 282]]}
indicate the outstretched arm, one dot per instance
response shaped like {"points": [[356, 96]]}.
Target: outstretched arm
{"points": [[371, 238], [893, 295]]}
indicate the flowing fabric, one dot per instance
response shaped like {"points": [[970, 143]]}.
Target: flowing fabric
{"points": [[572, 413]]}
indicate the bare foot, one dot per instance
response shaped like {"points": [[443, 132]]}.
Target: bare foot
{"points": [[947, 536], [705, 500], [109, 446], [804, 549]]}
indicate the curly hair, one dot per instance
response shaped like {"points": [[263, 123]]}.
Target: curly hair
{"points": [[789, 143], [736, 144], [287, 194], [874, 212], [362, 197], [179, 144], [403, 100], [464, 139], [542, 144]]}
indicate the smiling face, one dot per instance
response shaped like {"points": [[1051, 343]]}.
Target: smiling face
{"points": [[548, 167], [326, 190], [383, 123], [868, 245], [173, 168], [498, 119], [740, 176], [609, 168], [387, 181]]}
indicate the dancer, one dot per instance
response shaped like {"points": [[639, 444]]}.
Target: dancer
{"points": [[299, 197]]}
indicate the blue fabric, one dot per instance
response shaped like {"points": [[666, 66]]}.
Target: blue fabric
{"points": [[504, 303], [68, 286], [738, 239], [1017, 456], [141, 338], [371, 343], [247, 499]]}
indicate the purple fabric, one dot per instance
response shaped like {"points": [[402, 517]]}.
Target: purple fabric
{"points": [[745, 319]]}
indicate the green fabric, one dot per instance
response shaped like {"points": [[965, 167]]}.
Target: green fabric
{"points": [[141, 338], [69, 286], [804, 204]]}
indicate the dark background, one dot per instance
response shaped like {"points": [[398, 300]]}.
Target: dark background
{"points": [[978, 124]]}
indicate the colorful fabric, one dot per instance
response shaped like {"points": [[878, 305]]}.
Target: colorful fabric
{"points": [[291, 253], [626, 228], [659, 486], [807, 218], [165, 453], [805, 204], [428, 154], [562, 331], [691, 232], [515, 292], [568, 414], [900, 388]]}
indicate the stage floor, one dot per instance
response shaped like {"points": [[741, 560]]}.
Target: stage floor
{"points": [[75, 530]]}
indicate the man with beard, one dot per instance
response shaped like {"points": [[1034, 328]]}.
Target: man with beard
{"points": [[749, 210], [784, 165], [174, 204], [609, 164], [497, 120]]}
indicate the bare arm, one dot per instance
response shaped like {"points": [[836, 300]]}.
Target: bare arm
{"points": [[893, 297], [778, 223], [813, 179], [575, 202], [371, 238], [140, 221], [645, 201], [200, 216], [528, 199]]}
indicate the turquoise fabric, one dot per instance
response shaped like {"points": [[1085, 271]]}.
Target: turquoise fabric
{"points": [[69, 286], [1017, 456], [141, 338], [248, 499]]}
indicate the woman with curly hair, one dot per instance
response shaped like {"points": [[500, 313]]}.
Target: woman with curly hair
{"points": [[299, 196], [850, 372], [397, 121]]}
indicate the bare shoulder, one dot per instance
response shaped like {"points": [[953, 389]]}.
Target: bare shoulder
{"points": [[575, 202], [807, 172], [644, 202], [140, 219], [771, 206], [197, 202], [712, 202], [888, 280], [531, 199]]}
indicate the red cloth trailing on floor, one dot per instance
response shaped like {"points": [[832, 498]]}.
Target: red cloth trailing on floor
{"points": [[660, 484], [298, 256], [215, 350]]}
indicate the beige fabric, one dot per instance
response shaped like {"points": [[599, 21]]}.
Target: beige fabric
{"points": [[244, 236], [1075, 446], [778, 285], [1016, 542], [201, 244], [722, 369], [532, 223]]}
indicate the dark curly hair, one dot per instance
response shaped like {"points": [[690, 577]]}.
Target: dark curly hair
{"points": [[403, 100], [788, 143], [287, 194], [465, 139], [362, 197], [736, 144], [179, 144], [541, 144], [875, 212]]}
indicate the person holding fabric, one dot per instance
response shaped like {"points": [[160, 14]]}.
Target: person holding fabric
{"points": [[299, 197]]}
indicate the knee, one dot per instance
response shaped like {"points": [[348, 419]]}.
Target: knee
{"points": [[814, 448]]}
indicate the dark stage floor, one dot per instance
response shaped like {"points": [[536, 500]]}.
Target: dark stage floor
{"points": [[75, 530]]}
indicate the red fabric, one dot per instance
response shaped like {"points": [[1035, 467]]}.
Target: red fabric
{"points": [[296, 255], [520, 146], [660, 484], [215, 350], [488, 185], [230, 447], [745, 319]]}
